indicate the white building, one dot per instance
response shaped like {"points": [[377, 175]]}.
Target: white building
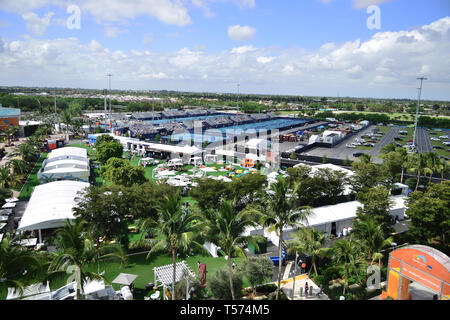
{"points": [[67, 163]]}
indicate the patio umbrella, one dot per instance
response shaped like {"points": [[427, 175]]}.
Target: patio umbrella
{"points": [[125, 279]]}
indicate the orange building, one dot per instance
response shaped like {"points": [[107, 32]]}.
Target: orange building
{"points": [[421, 266], [9, 117]]}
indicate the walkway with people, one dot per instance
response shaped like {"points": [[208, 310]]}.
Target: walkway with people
{"points": [[299, 290]]}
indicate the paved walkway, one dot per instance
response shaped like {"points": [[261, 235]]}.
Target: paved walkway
{"points": [[299, 290]]}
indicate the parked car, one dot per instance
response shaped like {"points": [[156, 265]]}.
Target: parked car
{"points": [[447, 143], [438, 147], [398, 139], [358, 154], [443, 137], [373, 141], [350, 145], [434, 139], [368, 144], [398, 144]]}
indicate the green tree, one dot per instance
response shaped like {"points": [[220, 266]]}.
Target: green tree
{"points": [[443, 167], [417, 164], [225, 228], [366, 176], [75, 249], [176, 231], [103, 138], [220, 286], [209, 192], [280, 211], [257, 270], [18, 266], [11, 132], [104, 209], [347, 256], [371, 235], [7, 179], [429, 212], [121, 172], [376, 203], [107, 150], [310, 242]]}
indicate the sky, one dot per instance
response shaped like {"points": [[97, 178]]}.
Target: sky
{"points": [[356, 48]]}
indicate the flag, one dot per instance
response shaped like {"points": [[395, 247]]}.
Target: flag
{"points": [[203, 275]]}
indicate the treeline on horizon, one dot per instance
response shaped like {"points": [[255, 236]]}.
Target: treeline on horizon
{"points": [[423, 121]]}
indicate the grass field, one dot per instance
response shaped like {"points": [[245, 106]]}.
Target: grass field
{"points": [[441, 152], [33, 180]]}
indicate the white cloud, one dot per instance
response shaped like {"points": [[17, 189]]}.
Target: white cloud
{"points": [[36, 25], [366, 3], [112, 31], [265, 60], [238, 33], [385, 65], [243, 49]]}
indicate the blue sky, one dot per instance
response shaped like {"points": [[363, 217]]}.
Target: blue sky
{"points": [[277, 34]]}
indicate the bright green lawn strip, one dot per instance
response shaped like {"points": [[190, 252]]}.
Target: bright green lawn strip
{"points": [[33, 180]]}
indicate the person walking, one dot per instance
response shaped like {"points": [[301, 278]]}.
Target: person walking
{"points": [[320, 291], [306, 289]]}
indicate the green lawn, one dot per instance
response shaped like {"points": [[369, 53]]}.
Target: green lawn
{"points": [[138, 265], [33, 180]]}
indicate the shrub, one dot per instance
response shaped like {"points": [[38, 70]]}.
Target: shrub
{"points": [[266, 288], [219, 285]]}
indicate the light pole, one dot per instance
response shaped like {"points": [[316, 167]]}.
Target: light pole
{"points": [[110, 117], [417, 110], [238, 96], [295, 274]]}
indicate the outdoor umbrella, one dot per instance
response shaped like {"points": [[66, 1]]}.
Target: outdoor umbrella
{"points": [[125, 279]]}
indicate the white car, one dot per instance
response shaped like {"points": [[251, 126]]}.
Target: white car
{"points": [[443, 137], [447, 143], [434, 139], [350, 146]]}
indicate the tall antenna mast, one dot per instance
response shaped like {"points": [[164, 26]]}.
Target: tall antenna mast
{"points": [[110, 117], [54, 97], [238, 85], [417, 110], [106, 110]]}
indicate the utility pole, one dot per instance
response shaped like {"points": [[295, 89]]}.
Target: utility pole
{"points": [[417, 110], [153, 110], [110, 116], [106, 110], [238, 96]]}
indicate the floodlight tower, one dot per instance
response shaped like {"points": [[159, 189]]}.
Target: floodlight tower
{"points": [[106, 106], [110, 120], [417, 110], [238, 85]]}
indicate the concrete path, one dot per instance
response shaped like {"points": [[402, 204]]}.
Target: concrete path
{"points": [[300, 281]]}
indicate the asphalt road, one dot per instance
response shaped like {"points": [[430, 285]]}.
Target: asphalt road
{"points": [[423, 141], [387, 139]]}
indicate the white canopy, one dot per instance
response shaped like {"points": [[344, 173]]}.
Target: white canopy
{"points": [[13, 199], [125, 279], [51, 204], [164, 274], [9, 205]]}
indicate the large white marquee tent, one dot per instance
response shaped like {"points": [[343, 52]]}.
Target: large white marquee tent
{"points": [[51, 205]]}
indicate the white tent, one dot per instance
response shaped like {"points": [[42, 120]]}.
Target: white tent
{"points": [[51, 205], [211, 158], [175, 162], [73, 153], [164, 274], [66, 169], [9, 205]]}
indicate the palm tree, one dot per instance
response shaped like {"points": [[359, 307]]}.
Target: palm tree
{"points": [[443, 168], [176, 230], [7, 179], [417, 164], [10, 132], [17, 265], [224, 227], [404, 154], [431, 163], [347, 256], [281, 211], [366, 158], [19, 166], [66, 117], [76, 250], [309, 241], [372, 237]]}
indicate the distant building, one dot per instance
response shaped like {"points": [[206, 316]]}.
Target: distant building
{"points": [[9, 117]]}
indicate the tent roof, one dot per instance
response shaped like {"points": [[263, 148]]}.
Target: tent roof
{"points": [[51, 204], [164, 274], [125, 279], [68, 152], [333, 213]]}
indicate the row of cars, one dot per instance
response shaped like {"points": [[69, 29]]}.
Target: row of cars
{"points": [[372, 139]]}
